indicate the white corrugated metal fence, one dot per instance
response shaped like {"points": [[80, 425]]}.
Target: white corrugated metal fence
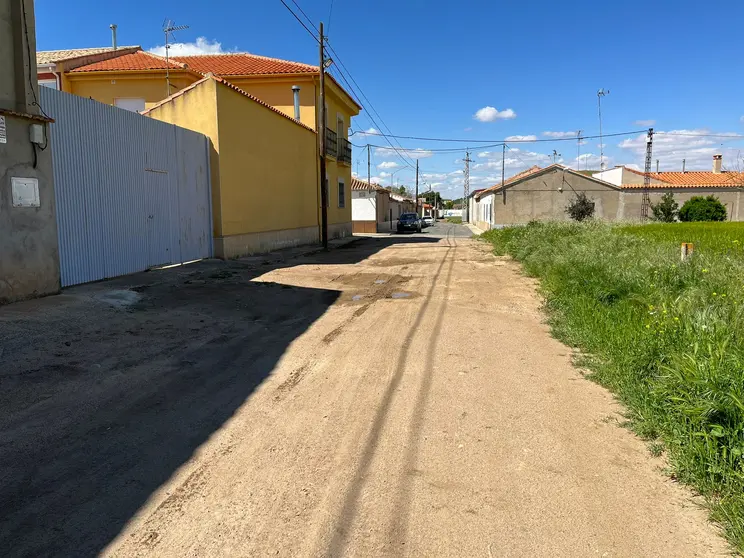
{"points": [[131, 192]]}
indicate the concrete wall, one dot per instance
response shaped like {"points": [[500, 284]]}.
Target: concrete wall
{"points": [[364, 205], [29, 256], [631, 200], [546, 196]]}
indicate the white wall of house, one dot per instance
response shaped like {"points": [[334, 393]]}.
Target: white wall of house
{"points": [[363, 205]]}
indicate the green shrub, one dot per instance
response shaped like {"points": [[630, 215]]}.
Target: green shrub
{"points": [[667, 337], [699, 208], [580, 207], [666, 210]]}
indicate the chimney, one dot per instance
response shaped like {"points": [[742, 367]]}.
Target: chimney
{"points": [[113, 35], [296, 92], [684, 161], [717, 162]]}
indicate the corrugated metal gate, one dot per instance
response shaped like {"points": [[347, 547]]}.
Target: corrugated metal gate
{"points": [[131, 192]]}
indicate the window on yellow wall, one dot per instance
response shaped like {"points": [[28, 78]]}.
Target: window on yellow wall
{"points": [[341, 193]]}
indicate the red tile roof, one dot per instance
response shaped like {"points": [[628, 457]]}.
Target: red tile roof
{"points": [[692, 179], [139, 60], [243, 64], [531, 170]]}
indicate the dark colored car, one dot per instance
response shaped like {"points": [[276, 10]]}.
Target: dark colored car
{"points": [[409, 222]]}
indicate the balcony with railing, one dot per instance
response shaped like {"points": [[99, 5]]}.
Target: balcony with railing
{"points": [[344, 151], [331, 143]]}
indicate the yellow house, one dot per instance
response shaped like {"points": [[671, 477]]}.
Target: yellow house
{"points": [[136, 80]]}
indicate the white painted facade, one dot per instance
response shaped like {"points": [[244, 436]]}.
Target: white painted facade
{"points": [[363, 205]]}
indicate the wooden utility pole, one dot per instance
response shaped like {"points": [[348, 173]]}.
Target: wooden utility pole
{"points": [[322, 146], [369, 176], [503, 192], [417, 209]]}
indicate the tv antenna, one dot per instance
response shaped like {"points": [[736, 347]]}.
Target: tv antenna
{"points": [[601, 93], [169, 27], [556, 156]]}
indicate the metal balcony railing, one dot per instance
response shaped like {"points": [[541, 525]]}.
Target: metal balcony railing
{"points": [[331, 143], [344, 151]]}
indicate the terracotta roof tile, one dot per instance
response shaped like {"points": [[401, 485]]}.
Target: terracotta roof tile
{"points": [[139, 60], [692, 179], [52, 56], [243, 64], [517, 176], [357, 184]]}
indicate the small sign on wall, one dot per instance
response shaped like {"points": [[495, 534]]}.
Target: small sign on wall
{"points": [[25, 192]]}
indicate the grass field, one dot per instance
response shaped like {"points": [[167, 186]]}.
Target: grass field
{"points": [[667, 337], [456, 220]]}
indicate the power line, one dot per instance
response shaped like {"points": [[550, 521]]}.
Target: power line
{"points": [[499, 142], [300, 21]]}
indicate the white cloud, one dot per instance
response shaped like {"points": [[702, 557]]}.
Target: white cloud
{"points": [[470, 128], [589, 161], [558, 135], [368, 132], [388, 165], [521, 138], [644, 122], [671, 147], [490, 114], [434, 175], [202, 45], [411, 153]]}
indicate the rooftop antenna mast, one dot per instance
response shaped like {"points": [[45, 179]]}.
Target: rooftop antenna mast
{"points": [[601, 93], [556, 156], [169, 27]]}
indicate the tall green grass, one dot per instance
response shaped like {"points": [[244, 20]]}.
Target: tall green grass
{"points": [[667, 337]]}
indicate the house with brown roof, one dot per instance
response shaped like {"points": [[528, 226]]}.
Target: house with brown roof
{"points": [[376, 209], [543, 194], [726, 185], [141, 81]]}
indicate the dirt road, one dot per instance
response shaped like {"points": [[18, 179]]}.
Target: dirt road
{"points": [[398, 397]]}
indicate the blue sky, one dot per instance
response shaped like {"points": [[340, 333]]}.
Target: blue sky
{"points": [[429, 67]]}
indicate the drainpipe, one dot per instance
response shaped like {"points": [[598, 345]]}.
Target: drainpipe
{"points": [[296, 93], [113, 35]]}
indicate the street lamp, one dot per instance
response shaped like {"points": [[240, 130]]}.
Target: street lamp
{"points": [[392, 174], [601, 93]]}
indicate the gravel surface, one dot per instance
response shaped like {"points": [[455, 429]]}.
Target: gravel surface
{"points": [[399, 396]]}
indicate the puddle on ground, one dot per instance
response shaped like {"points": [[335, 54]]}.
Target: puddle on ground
{"points": [[357, 297], [400, 295], [120, 298], [380, 281]]}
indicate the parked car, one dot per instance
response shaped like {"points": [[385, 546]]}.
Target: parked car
{"points": [[428, 220], [409, 222]]}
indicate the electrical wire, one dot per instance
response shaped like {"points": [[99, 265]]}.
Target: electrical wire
{"points": [[317, 40], [499, 142]]}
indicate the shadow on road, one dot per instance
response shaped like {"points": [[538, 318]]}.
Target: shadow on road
{"points": [[100, 404]]}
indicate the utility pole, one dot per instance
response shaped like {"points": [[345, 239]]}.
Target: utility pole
{"points": [[645, 200], [601, 93], [322, 146], [466, 190], [578, 149], [369, 173], [417, 204], [503, 167]]}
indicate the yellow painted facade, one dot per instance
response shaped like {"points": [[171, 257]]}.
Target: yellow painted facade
{"points": [[106, 87], [260, 201], [270, 154]]}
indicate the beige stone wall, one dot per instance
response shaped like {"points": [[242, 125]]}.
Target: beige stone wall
{"points": [[546, 196]]}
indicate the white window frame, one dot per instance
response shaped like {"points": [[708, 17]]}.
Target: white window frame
{"points": [[130, 99]]}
